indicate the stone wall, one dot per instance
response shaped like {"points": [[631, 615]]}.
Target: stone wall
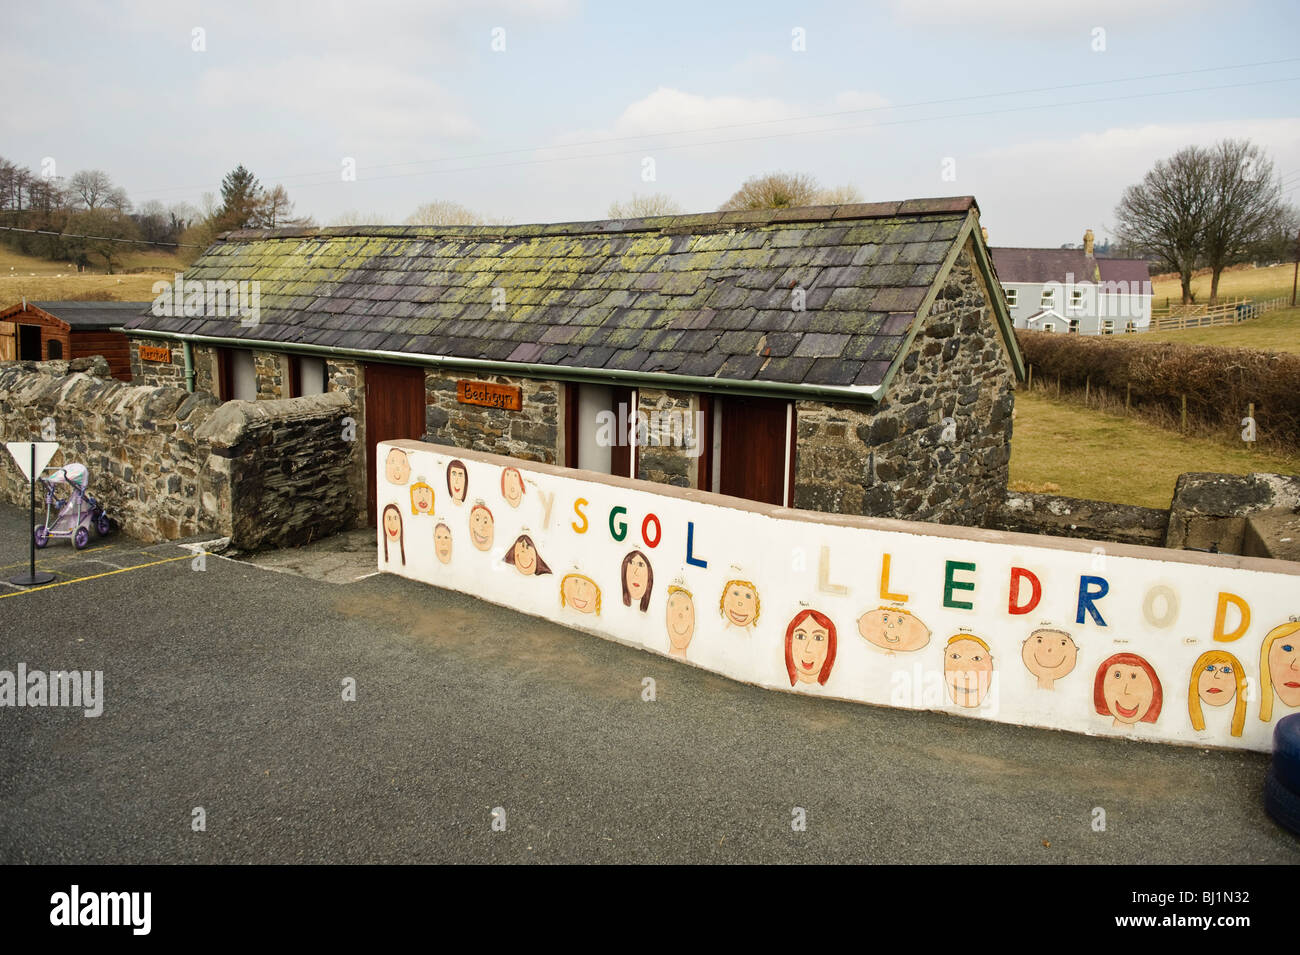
{"points": [[530, 434], [167, 464], [158, 374], [938, 448], [1102, 521], [667, 455]]}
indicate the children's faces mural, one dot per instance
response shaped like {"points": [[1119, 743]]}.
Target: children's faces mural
{"points": [[898, 631], [1126, 688], [1049, 654]]}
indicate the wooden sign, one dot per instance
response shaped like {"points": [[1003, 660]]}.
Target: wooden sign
{"points": [[155, 353], [489, 395]]}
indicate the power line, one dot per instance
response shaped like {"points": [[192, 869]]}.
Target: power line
{"points": [[768, 122], [100, 238]]}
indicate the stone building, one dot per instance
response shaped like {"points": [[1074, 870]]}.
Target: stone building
{"points": [[855, 359]]}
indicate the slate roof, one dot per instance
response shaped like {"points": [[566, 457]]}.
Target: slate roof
{"points": [[701, 295], [88, 315], [1039, 266]]}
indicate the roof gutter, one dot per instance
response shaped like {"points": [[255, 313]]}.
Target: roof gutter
{"points": [[667, 380]]}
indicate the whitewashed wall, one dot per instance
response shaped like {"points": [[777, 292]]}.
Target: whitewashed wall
{"points": [[1160, 606]]}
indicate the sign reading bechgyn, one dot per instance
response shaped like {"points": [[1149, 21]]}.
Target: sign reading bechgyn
{"points": [[1134, 642], [489, 395]]}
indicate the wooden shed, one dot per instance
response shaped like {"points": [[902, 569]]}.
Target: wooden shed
{"points": [[45, 331]]}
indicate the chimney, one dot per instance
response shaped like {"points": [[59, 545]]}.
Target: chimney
{"points": [[1087, 242]]}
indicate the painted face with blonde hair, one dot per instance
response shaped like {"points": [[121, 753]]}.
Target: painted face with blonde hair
{"points": [[739, 603]]}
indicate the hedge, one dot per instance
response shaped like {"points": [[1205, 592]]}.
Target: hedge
{"points": [[1219, 383]]}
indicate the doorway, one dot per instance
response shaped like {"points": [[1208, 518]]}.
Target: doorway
{"points": [[394, 409], [29, 343], [753, 448]]}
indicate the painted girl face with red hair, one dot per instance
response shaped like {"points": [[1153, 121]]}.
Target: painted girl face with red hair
{"points": [[481, 527], [810, 648], [1127, 689]]}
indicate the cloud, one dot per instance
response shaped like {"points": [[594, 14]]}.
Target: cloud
{"points": [[1020, 14]]}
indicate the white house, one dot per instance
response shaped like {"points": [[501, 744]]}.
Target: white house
{"points": [[1071, 290]]}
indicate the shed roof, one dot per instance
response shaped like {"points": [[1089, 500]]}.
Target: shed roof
{"points": [[706, 296], [83, 315]]}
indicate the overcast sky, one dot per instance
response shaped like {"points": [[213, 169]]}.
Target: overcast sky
{"points": [[1043, 129]]}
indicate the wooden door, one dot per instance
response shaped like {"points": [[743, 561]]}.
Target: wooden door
{"points": [[394, 409], [755, 441], [29, 343]]}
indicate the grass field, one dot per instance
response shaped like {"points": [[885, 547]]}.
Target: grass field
{"points": [[1272, 331], [1239, 282], [41, 280], [1085, 453]]}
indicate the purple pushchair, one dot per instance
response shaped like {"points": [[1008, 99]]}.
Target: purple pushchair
{"points": [[76, 513]]}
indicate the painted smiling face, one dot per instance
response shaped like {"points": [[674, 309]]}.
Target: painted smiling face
{"points": [[481, 528], [681, 621], [1128, 693], [525, 557], [1217, 684], [421, 499], [442, 543], [740, 604], [512, 487], [1049, 655], [397, 468], [808, 649], [1284, 668], [392, 523], [895, 630], [456, 479], [580, 593], [967, 671]]}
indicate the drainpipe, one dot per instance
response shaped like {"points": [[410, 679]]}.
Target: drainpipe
{"points": [[187, 350]]}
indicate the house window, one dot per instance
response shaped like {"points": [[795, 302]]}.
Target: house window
{"points": [[56, 348], [1130, 327], [1049, 326], [600, 426], [307, 376], [236, 375], [1108, 326], [1012, 295], [1047, 299], [1076, 298], [1074, 326]]}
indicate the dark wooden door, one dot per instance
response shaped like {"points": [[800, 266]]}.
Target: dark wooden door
{"points": [[394, 409], [29, 343], [754, 445]]}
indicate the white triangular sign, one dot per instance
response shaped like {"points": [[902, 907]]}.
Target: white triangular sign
{"points": [[22, 452]]}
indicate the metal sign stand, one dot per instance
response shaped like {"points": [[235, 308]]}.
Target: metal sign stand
{"points": [[32, 578]]}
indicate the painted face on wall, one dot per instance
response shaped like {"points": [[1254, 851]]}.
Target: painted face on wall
{"points": [[442, 543], [967, 670], [1217, 684], [512, 486], [482, 528], [1284, 668], [525, 557], [457, 481], [808, 649], [397, 468], [394, 541], [392, 523], [1129, 693], [740, 603], [894, 630], [421, 498], [1049, 655], [637, 577], [580, 593], [681, 620]]}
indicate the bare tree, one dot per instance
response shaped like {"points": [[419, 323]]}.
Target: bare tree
{"points": [[354, 218], [838, 196], [1245, 204], [643, 207], [777, 190], [273, 208], [446, 212], [94, 188], [1165, 214]]}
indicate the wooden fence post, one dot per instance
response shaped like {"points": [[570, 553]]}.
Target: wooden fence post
{"points": [[1031, 377], [1184, 424], [1128, 396], [1087, 390]]}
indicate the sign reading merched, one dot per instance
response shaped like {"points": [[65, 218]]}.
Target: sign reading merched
{"points": [[489, 395], [155, 353]]}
